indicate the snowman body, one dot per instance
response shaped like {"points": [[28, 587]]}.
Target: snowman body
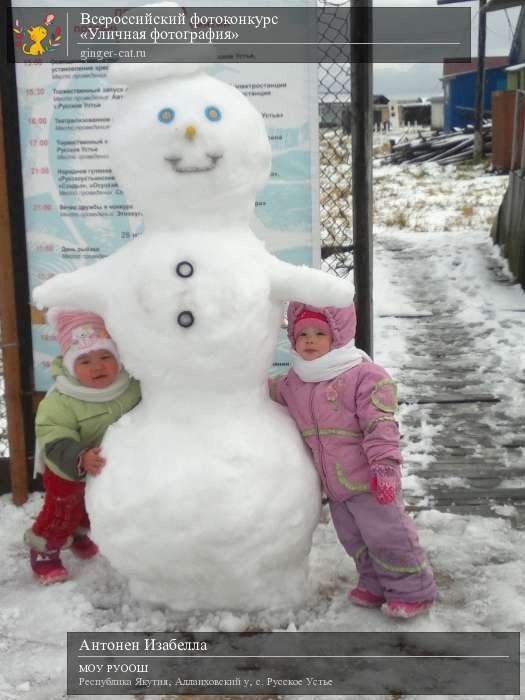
{"points": [[209, 498]]}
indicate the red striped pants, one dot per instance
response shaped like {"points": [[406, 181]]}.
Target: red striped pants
{"points": [[63, 512]]}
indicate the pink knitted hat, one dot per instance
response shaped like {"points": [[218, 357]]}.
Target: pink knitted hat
{"points": [[308, 318], [78, 333], [342, 322]]}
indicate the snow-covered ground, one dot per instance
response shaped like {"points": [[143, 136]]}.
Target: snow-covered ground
{"points": [[430, 197], [479, 562]]}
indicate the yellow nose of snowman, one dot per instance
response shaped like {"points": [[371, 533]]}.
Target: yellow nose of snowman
{"points": [[190, 133]]}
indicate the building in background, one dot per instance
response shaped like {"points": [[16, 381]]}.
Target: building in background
{"points": [[335, 111], [409, 111], [459, 84], [507, 125], [516, 69], [381, 111], [331, 109], [437, 112], [517, 51]]}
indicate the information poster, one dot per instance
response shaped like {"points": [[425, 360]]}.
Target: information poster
{"points": [[75, 212]]}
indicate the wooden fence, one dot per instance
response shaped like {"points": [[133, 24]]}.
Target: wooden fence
{"points": [[508, 230]]}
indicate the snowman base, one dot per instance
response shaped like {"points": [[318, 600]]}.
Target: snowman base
{"points": [[290, 592], [225, 523]]}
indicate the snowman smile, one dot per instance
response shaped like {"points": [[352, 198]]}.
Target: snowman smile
{"points": [[178, 168]]}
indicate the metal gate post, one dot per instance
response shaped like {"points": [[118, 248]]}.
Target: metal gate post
{"points": [[10, 343], [362, 118]]}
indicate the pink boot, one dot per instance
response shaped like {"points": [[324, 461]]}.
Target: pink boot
{"points": [[47, 566], [83, 547], [402, 610], [365, 599]]}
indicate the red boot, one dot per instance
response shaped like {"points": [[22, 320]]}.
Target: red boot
{"points": [[404, 611], [365, 599], [83, 547], [47, 566]]}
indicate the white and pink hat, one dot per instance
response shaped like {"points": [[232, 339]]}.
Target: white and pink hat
{"points": [[78, 333], [310, 318]]}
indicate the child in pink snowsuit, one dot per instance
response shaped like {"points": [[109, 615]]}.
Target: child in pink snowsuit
{"points": [[343, 404]]}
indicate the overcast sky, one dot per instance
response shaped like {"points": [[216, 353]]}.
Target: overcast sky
{"points": [[422, 79]]}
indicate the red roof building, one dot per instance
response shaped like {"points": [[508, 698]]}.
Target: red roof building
{"points": [[457, 68]]}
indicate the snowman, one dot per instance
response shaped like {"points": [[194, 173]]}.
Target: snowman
{"points": [[208, 499]]}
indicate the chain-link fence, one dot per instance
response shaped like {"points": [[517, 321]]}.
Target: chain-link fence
{"points": [[335, 143]]}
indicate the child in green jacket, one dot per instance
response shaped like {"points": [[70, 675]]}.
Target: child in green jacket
{"points": [[91, 392]]}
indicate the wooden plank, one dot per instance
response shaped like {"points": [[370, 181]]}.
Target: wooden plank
{"points": [[466, 445], [517, 441], [440, 341], [498, 471], [414, 422], [437, 353], [510, 226], [465, 411], [440, 321], [407, 255], [472, 495], [486, 457], [476, 483], [448, 366], [11, 339], [463, 463], [442, 470], [416, 314], [464, 452], [438, 384], [474, 475], [450, 398]]}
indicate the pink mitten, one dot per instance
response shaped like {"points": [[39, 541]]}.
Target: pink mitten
{"points": [[385, 482]]}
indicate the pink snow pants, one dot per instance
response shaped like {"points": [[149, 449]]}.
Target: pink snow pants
{"points": [[383, 541]]}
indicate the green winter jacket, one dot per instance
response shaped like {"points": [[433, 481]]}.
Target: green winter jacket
{"points": [[66, 426]]}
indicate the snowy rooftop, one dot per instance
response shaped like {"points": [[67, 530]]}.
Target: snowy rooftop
{"points": [[512, 69]]}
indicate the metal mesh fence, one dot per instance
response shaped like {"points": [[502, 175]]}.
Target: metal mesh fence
{"points": [[335, 144]]}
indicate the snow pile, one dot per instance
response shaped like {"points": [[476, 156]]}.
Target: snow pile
{"points": [[417, 197], [432, 197], [479, 565]]}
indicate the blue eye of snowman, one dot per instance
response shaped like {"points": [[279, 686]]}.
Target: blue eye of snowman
{"points": [[213, 113], [166, 115]]}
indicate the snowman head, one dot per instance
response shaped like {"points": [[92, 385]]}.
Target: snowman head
{"points": [[185, 144]]}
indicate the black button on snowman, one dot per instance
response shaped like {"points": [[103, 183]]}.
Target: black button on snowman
{"points": [[185, 319], [184, 269]]}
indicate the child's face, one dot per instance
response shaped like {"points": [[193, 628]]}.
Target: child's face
{"points": [[312, 343], [96, 369]]}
